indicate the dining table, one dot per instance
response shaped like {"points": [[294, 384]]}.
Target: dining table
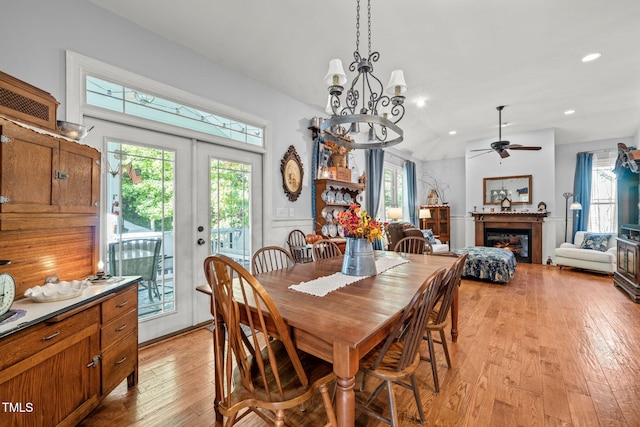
{"points": [[347, 320]]}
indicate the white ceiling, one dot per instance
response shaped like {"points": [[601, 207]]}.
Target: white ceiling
{"points": [[465, 57]]}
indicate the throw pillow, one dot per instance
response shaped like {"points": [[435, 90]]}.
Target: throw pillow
{"points": [[428, 235], [596, 241]]}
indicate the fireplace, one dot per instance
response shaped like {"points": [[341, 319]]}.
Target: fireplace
{"points": [[515, 240], [512, 229]]}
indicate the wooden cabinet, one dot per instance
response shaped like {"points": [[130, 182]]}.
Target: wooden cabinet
{"points": [[119, 339], [44, 174], [55, 372], [439, 223], [627, 274], [47, 373], [330, 198]]}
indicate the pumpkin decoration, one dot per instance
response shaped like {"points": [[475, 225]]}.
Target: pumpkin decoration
{"points": [[312, 238]]}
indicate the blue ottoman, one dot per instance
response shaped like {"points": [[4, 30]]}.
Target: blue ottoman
{"points": [[493, 264]]}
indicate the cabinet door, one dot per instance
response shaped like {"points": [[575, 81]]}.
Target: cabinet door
{"points": [[55, 385], [80, 184], [28, 161]]}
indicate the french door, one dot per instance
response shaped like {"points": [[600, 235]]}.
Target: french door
{"points": [[196, 198], [228, 206], [146, 196]]}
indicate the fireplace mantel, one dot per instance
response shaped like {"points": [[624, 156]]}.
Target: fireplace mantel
{"points": [[520, 220]]}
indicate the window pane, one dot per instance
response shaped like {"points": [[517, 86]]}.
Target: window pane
{"points": [[140, 189], [603, 215]]}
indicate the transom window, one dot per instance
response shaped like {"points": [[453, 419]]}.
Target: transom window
{"points": [[127, 100]]}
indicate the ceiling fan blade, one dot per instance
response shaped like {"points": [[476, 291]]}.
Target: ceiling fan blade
{"points": [[524, 147], [504, 154], [480, 154], [488, 150]]}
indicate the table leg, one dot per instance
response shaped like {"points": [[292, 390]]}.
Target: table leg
{"points": [[454, 316], [345, 365]]}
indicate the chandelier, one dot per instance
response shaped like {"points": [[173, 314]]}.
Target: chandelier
{"points": [[365, 104]]}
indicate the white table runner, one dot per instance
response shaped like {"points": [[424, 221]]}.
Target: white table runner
{"points": [[323, 285]]}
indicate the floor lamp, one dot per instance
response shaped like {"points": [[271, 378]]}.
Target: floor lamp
{"points": [[575, 206]]}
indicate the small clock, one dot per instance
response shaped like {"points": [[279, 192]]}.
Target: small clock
{"points": [[292, 173], [506, 204], [7, 295]]}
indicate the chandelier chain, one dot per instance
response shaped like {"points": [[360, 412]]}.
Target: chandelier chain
{"points": [[369, 25], [358, 26]]}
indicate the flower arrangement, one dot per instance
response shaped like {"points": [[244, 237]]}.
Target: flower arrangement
{"points": [[358, 224], [335, 148]]}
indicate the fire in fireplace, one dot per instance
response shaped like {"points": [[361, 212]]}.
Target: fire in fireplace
{"points": [[517, 241]]}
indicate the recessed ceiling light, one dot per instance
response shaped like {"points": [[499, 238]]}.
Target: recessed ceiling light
{"points": [[452, 132], [591, 57], [568, 112], [504, 125]]}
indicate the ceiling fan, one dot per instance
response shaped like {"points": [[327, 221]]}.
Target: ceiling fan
{"points": [[501, 146]]}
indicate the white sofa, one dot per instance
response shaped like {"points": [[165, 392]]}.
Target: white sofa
{"points": [[572, 255]]}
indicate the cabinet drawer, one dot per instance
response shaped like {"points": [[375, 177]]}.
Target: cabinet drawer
{"points": [[120, 304], [24, 344], [118, 328], [119, 361]]}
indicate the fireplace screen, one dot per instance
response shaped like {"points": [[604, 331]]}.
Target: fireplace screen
{"points": [[517, 241]]}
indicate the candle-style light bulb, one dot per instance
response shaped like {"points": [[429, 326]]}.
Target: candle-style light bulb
{"points": [[100, 267]]}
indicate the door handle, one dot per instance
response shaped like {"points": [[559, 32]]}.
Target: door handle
{"points": [[201, 241]]}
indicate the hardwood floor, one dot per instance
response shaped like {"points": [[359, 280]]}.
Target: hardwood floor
{"points": [[551, 348]]}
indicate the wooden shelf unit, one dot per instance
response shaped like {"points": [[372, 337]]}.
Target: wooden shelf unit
{"points": [[352, 188], [439, 223]]}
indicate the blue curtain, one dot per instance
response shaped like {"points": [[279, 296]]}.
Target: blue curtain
{"points": [[582, 191], [410, 179], [375, 171]]}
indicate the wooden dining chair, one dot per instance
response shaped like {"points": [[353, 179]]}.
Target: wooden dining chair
{"points": [[411, 245], [260, 370], [298, 246], [323, 249], [396, 359], [271, 258], [439, 317]]}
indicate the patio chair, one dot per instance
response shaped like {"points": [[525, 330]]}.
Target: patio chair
{"points": [[137, 257]]}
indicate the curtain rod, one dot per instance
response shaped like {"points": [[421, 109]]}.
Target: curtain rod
{"points": [[602, 150]]}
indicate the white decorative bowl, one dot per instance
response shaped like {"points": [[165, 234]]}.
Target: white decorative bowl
{"points": [[57, 291]]}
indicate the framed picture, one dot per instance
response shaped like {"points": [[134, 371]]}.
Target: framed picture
{"points": [[292, 173]]}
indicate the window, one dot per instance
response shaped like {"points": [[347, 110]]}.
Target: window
{"points": [[115, 97], [393, 189], [602, 211]]}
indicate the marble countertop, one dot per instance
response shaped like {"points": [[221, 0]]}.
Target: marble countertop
{"points": [[29, 313]]}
